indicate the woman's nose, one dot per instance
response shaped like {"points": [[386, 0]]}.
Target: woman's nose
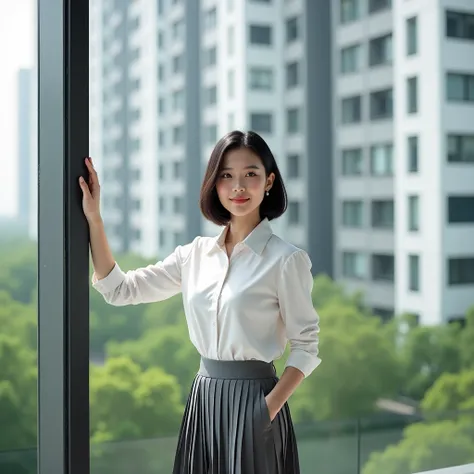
{"points": [[238, 186]]}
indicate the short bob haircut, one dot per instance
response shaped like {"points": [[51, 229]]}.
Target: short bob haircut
{"points": [[272, 206]]}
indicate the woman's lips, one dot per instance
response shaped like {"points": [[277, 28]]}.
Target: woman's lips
{"points": [[240, 200]]}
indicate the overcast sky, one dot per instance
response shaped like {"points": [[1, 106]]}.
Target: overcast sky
{"points": [[16, 51]]}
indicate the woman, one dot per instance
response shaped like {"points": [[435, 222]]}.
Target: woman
{"points": [[246, 293]]}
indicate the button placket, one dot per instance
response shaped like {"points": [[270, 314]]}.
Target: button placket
{"points": [[217, 305]]}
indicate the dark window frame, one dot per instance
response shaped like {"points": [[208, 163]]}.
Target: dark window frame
{"points": [[63, 250]]}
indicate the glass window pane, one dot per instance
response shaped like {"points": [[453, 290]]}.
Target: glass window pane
{"points": [[18, 238]]}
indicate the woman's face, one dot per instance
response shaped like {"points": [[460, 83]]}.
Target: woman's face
{"points": [[242, 182]]}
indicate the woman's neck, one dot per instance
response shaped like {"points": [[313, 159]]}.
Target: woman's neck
{"points": [[241, 227]]}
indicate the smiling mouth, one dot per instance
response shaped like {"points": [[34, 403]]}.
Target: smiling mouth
{"points": [[240, 200]]}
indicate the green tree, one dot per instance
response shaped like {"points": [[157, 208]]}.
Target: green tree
{"points": [[325, 291], [168, 347], [18, 271], [450, 393], [466, 340], [425, 447], [427, 352], [17, 394], [109, 322], [359, 365], [128, 403]]}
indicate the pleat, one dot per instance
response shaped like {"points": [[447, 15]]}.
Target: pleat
{"points": [[226, 429]]}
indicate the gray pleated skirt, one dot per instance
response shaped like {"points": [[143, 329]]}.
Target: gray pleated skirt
{"points": [[226, 427]]}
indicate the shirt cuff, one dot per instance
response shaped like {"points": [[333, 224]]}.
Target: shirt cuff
{"points": [[302, 360], [110, 282]]}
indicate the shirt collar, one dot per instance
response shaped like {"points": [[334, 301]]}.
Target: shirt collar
{"points": [[256, 240]]}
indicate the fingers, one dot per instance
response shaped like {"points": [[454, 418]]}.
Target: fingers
{"points": [[93, 177], [85, 188]]}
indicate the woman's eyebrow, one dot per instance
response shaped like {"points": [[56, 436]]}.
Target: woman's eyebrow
{"points": [[250, 167]]}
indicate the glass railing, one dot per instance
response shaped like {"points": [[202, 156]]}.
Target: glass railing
{"points": [[392, 444]]}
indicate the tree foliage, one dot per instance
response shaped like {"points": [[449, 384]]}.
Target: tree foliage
{"points": [[149, 363]]}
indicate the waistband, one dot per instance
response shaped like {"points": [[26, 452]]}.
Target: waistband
{"points": [[237, 369]]}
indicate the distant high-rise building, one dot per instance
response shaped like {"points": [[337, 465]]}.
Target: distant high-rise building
{"points": [[367, 104], [164, 90], [404, 154], [24, 146]]}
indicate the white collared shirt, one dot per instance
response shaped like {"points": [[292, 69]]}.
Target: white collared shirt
{"points": [[242, 308]]}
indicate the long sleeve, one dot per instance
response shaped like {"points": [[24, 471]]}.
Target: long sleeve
{"points": [[153, 283], [300, 318]]}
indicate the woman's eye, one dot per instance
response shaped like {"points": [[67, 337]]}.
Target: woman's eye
{"points": [[251, 174], [225, 175]]}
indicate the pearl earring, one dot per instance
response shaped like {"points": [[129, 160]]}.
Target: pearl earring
{"points": [[267, 193]]}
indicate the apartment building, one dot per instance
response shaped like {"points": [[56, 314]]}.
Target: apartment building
{"points": [[403, 154], [168, 78]]}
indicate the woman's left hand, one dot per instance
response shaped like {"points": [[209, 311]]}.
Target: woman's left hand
{"points": [[273, 407]]}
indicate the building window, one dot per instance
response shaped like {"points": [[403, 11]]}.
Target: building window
{"points": [[210, 134], [352, 162], [210, 95], [413, 213], [382, 214], [351, 109], [162, 237], [161, 138], [354, 265], [261, 78], [177, 30], [178, 205], [178, 135], [178, 100], [350, 59], [162, 204], [412, 35], [413, 154], [381, 104], [161, 40], [461, 271], [460, 25], [352, 214], [293, 121], [261, 122], [292, 75], [161, 7], [161, 106], [349, 10], [378, 5], [460, 209], [460, 148], [231, 83], [294, 212], [293, 166], [292, 29], [381, 160], [210, 19], [260, 35], [383, 267], [385, 314], [412, 95], [210, 56], [178, 169], [161, 72], [414, 273], [178, 64], [380, 50], [460, 87]]}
